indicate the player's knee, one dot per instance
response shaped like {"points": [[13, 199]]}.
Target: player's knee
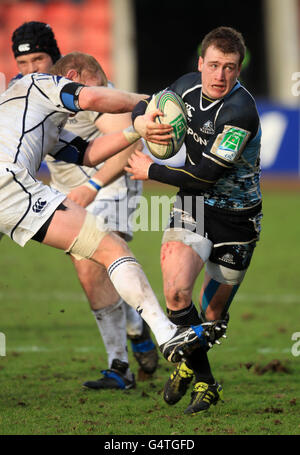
{"points": [[177, 297], [88, 239]]}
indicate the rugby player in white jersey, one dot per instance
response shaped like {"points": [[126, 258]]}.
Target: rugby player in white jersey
{"points": [[31, 210], [82, 185]]}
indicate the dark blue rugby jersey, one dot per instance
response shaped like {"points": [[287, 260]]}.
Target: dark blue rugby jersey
{"points": [[223, 147]]}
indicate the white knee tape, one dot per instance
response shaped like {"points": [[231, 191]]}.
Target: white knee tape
{"points": [[201, 245], [225, 275], [88, 239]]}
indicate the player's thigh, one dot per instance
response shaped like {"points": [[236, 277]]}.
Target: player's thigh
{"points": [[65, 225], [83, 235], [180, 265]]}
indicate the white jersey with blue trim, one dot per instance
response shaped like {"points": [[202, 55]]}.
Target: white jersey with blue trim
{"points": [[66, 176], [32, 118]]}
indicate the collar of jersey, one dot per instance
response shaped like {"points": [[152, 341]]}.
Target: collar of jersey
{"points": [[236, 86], [210, 105]]}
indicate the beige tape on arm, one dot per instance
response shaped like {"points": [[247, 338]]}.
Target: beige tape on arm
{"points": [[131, 135], [88, 239]]}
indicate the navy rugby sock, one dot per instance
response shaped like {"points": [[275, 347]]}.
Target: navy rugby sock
{"points": [[198, 359], [186, 316], [199, 363]]}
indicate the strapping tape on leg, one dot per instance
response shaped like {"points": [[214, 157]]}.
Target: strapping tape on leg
{"points": [[225, 275], [88, 239], [201, 245]]}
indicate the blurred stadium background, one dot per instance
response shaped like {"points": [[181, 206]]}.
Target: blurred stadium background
{"points": [[145, 44]]}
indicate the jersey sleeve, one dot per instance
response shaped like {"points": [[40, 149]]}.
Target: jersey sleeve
{"points": [[188, 177], [60, 91], [235, 128], [69, 148], [179, 86], [219, 156], [140, 108]]}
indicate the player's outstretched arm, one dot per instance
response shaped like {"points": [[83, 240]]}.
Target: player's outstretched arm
{"points": [[105, 99], [102, 148], [113, 167], [108, 145]]}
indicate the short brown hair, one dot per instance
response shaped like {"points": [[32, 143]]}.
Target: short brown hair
{"points": [[226, 39], [78, 61]]}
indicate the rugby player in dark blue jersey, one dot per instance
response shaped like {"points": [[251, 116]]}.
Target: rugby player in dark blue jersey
{"points": [[215, 221]]}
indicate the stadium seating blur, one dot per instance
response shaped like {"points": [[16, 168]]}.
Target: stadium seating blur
{"points": [[82, 25]]}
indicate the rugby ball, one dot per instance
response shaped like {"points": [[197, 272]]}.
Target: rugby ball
{"points": [[173, 108]]}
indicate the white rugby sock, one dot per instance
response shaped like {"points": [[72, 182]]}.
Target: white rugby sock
{"points": [[132, 285], [111, 322], [134, 322]]}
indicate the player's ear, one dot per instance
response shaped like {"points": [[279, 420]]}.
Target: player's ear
{"points": [[200, 63], [73, 75]]}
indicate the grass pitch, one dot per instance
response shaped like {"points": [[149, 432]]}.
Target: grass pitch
{"points": [[53, 346]]}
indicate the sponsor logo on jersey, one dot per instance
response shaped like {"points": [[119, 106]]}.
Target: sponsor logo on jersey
{"points": [[24, 47], [196, 137], [39, 205], [185, 217], [208, 128], [227, 258]]}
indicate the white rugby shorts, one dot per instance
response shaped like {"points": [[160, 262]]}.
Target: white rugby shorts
{"points": [[25, 203]]}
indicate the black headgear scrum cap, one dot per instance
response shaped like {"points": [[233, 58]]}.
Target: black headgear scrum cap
{"points": [[33, 37]]}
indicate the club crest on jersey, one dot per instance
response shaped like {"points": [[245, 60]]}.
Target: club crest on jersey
{"points": [[208, 127], [39, 205]]}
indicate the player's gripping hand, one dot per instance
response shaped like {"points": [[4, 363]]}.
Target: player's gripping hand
{"points": [[138, 166], [151, 130]]}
